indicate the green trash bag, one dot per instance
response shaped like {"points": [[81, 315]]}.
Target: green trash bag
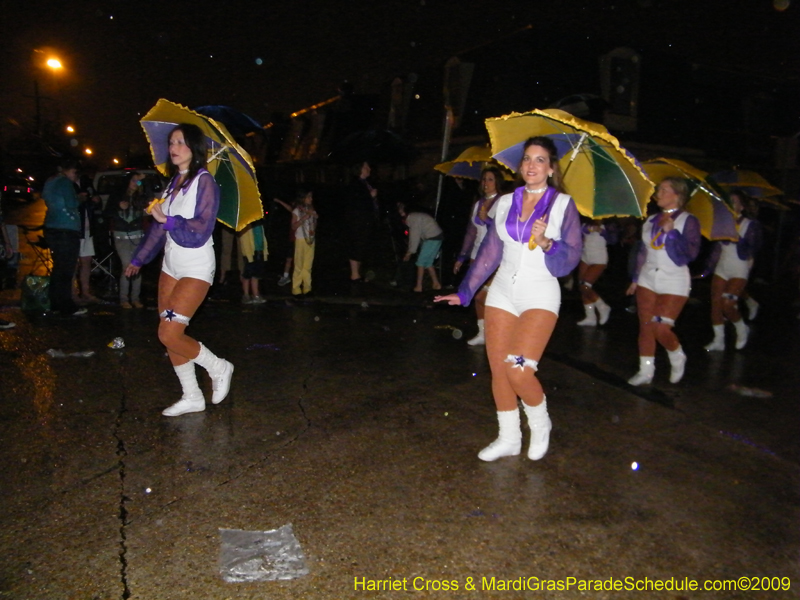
{"points": [[35, 293]]}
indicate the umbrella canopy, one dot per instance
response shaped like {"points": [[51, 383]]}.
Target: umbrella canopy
{"points": [[603, 178], [706, 200], [470, 164], [231, 166], [236, 122], [752, 184]]}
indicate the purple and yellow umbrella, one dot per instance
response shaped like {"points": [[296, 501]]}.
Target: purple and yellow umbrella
{"points": [[228, 162], [603, 178], [470, 164], [750, 183], [706, 200]]}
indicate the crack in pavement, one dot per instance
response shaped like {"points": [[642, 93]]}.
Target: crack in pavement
{"points": [[122, 453]]}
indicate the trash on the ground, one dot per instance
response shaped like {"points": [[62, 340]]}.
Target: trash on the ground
{"points": [[246, 556], [53, 353], [749, 392], [117, 343], [457, 333], [263, 347]]}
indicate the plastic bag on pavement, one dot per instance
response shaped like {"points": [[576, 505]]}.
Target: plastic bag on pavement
{"points": [[35, 293], [260, 555], [53, 353]]}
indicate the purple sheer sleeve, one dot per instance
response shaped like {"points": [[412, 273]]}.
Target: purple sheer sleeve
{"points": [[712, 260], [469, 240], [150, 246], [639, 260], [683, 248], [565, 254], [750, 244], [486, 262], [194, 232]]}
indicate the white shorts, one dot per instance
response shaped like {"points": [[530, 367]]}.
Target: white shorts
{"points": [[87, 247], [663, 281], [198, 263], [518, 297], [732, 269]]}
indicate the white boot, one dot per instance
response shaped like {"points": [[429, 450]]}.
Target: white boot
{"points": [[647, 368], [603, 310], [539, 422], [509, 440], [220, 371], [192, 399], [479, 339], [752, 308], [742, 333], [718, 343], [591, 319], [677, 359]]}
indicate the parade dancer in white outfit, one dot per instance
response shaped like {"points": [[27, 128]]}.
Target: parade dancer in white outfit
{"points": [[733, 261], [594, 258], [661, 280], [184, 224], [535, 238], [480, 220]]}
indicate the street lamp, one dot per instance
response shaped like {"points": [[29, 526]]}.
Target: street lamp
{"points": [[88, 151], [54, 64], [70, 129]]}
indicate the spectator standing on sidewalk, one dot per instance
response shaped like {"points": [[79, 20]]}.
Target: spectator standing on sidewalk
{"points": [[424, 234]]}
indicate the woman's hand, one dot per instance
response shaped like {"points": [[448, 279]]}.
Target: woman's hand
{"points": [[666, 223], [457, 267], [631, 289], [539, 226], [451, 299], [158, 214], [132, 271]]}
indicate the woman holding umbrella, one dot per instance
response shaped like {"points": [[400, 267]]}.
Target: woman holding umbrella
{"points": [[732, 261], [535, 238], [479, 223], [661, 280], [183, 228]]}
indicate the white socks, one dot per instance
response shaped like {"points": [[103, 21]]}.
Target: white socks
{"points": [[647, 368], [481, 337], [509, 440], [220, 371], [603, 310], [718, 343], [742, 333], [591, 319], [539, 422], [192, 399], [677, 359]]}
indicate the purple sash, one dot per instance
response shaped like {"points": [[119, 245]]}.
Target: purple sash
{"points": [[540, 211]]}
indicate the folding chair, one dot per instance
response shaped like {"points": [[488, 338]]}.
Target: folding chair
{"points": [[41, 260], [104, 266]]}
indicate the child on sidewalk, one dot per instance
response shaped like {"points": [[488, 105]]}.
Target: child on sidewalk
{"points": [[304, 228], [252, 258]]}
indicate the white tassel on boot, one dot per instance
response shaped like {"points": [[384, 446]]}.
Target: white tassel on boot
{"points": [[192, 399], [677, 359], [591, 318], [509, 440], [718, 343], [540, 424], [479, 339], [742, 333], [647, 368], [603, 310], [220, 371]]}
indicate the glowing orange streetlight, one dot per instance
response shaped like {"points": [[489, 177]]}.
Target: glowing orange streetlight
{"points": [[88, 151], [70, 129], [54, 64], [115, 161]]}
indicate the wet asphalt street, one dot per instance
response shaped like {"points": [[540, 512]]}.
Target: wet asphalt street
{"points": [[360, 425]]}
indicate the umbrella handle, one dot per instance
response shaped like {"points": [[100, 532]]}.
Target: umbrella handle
{"points": [[531, 243], [149, 209]]}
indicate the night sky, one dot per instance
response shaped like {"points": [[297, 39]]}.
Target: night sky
{"points": [[120, 56]]}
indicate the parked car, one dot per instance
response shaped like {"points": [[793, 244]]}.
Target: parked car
{"points": [[17, 188], [107, 182]]}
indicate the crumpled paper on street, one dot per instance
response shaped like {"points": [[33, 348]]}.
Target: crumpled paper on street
{"points": [[260, 555]]}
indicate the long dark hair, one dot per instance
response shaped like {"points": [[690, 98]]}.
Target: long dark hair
{"points": [[196, 142], [499, 180], [545, 142]]}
